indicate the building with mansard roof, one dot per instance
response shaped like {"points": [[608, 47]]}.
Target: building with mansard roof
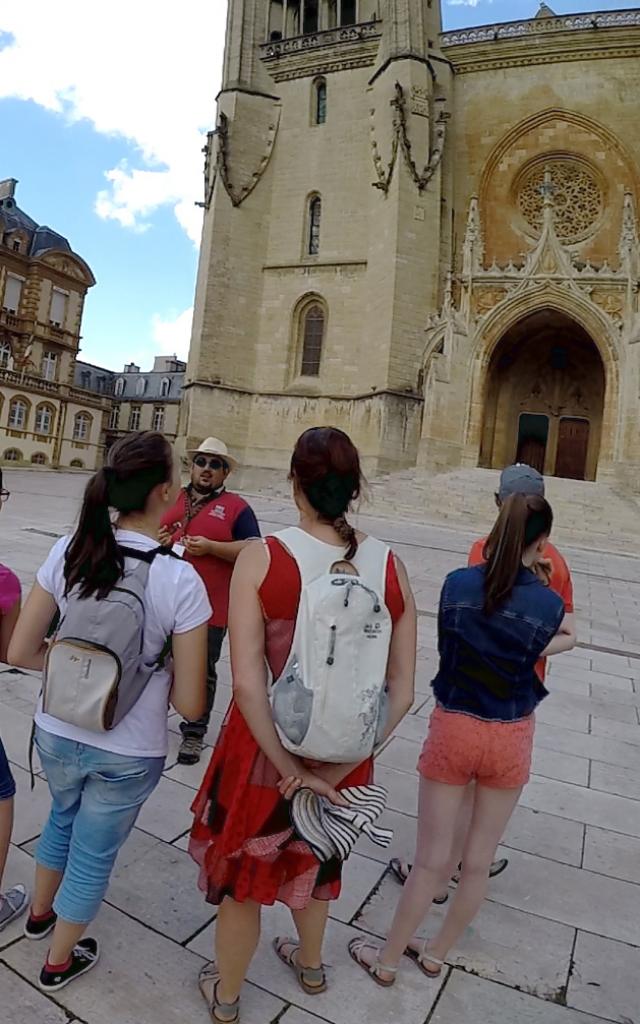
{"points": [[427, 238], [140, 399], [45, 418]]}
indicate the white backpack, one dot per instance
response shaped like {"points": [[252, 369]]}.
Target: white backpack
{"points": [[328, 703]]}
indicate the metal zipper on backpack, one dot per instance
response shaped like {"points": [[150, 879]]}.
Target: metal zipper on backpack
{"points": [[86, 645], [332, 645]]}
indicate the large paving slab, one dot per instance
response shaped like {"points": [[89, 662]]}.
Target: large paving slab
{"points": [[469, 1000], [503, 944], [141, 978], [559, 926], [21, 1003]]}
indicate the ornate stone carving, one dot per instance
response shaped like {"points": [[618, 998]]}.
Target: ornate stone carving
{"points": [[473, 246], [487, 298], [577, 198], [401, 141], [540, 26], [611, 302]]}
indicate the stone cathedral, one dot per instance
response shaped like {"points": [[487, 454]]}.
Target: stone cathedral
{"points": [[427, 238]]}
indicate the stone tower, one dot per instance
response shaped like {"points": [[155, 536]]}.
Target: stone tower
{"points": [[327, 228]]}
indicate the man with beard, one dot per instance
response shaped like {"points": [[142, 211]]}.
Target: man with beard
{"points": [[213, 525]]}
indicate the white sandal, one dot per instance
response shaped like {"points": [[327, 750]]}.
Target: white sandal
{"points": [[356, 948]]}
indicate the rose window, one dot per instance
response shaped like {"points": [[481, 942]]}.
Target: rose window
{"points": [[575, 193]]}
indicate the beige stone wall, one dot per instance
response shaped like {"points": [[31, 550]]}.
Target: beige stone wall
{"points": [[58, 446]]}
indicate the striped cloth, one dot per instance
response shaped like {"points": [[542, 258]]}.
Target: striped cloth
{"points": [[333, 831]]}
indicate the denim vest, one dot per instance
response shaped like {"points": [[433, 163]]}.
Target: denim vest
{"points": [[487, 662]]}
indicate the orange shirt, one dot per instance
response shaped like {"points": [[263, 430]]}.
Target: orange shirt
{"points": [[561, 581]]}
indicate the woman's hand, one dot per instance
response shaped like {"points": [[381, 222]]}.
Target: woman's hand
{"points": [[307, 780]]}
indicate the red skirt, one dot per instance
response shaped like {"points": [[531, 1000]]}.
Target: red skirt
{"points": [[242, 836]]}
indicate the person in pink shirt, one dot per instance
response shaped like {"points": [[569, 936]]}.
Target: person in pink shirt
{"points": [[14, 901]]}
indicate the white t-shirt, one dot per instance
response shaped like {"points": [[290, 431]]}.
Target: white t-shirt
{"points": [[175, 602]]}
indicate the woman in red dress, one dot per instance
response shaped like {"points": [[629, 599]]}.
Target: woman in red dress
{"points": [[242, 836]]}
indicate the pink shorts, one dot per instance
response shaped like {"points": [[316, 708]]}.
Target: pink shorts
{"points": [[459, 748]]}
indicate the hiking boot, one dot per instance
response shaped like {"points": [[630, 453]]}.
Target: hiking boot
{"points": [[190, 749], [83, 957], [39, 927], [13, 902]]}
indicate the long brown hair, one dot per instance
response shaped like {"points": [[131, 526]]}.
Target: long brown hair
{"points": [[522, 521], [326, 466], [135, 465]]}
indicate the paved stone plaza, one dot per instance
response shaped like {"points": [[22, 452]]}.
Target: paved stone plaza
{"points": [[558, 940]]}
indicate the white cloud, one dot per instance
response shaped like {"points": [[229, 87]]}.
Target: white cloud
{"points": [[172, 335], [145, 70], [465, 3]]}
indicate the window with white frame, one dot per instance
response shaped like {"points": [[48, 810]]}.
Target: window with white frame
{"points": [[12, 293], [44, 419], [18, 412], [165, 387], [6, 355], [49, 365], [82, 426], [58, 309], [114, 418], [119, 389], [141, 386], [158, 418], [12, 455], [134, 417]]}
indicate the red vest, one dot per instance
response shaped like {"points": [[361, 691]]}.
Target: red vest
{"points": [[214, 521]]}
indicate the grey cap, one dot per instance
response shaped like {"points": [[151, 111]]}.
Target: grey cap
{"points": [[520, 479]]}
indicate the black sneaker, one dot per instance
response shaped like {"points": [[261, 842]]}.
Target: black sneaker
{"points": [[190, 749], [40, 929], [84, 956]]}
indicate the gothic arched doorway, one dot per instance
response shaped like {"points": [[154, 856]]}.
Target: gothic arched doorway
{"points": [[545, 398]]}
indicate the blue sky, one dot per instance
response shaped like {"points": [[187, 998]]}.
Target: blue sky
{"points": [[102, 123]]}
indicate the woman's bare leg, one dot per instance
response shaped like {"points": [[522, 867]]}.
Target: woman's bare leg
{"points": [[46, 886], [437, 815], [491, 813], [237, 937], [311, 924]]}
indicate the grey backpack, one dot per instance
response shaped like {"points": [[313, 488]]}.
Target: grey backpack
{"points": [[95, 669]]}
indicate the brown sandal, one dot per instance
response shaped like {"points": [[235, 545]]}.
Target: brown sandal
{"points": [[356, 948], [311, 980], [423, 958], [208, 981]]}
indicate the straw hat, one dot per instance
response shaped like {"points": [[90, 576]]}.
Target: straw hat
{"points": [[214, 446]]}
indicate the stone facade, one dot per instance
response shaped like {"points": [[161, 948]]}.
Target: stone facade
{"points": [[427, 238], [45, 420]]}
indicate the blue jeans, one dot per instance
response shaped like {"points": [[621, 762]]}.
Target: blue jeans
{"points": [[96, 797]]}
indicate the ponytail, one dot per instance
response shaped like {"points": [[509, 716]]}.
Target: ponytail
{"points": [[521, 522], [93, 559], [326, 466], [135, 465]]}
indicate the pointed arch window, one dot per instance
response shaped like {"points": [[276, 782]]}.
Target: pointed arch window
{"points": [[311, 331], [315, 216], [320, 101]]}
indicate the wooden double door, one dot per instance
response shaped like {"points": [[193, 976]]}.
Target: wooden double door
{"points": [[573, 447]]}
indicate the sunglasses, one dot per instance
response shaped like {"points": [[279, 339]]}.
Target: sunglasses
{"points": [[202, 462], [4, 496]]}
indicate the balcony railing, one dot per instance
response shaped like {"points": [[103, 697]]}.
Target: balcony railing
{"points": [[541, 26], [30, 382], [329, 37], [29, 326]]}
